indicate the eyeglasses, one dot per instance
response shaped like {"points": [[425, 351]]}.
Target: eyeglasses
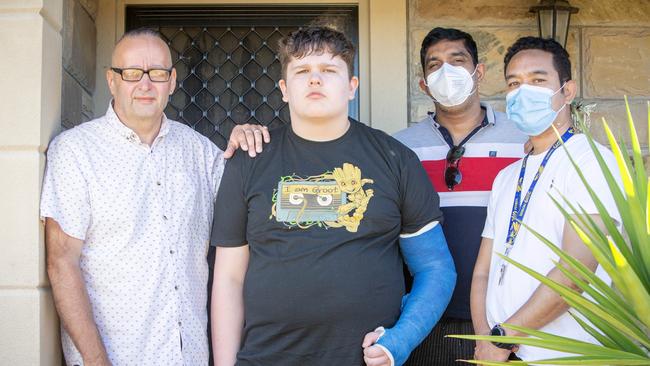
{"points": [[453, 176], [132, 74]]}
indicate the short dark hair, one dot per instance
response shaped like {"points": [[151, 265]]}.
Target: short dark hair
{"points": [[316, 40], [561, 60], [447, 34]]}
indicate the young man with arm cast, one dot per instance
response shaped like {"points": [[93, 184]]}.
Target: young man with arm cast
{"points": [[308, 235]]}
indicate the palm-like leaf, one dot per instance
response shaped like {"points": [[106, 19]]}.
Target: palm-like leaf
{"points": [[618, 317]]}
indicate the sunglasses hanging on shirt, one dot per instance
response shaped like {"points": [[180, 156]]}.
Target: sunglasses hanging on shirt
{"points": [[453, 176]]}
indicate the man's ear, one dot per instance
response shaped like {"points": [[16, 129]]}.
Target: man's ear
{"points": [[354, 84], [283, 88], [110, 80], [570, 91], [480, 72], [424, 87], [172, 80]]}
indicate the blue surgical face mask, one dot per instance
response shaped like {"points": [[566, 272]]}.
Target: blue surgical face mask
{"points": [[530, 108]]}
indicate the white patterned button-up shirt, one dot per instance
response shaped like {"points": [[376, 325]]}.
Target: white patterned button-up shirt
{"points": [[144, 214]]}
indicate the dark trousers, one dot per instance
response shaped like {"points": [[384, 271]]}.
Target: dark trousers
{"points": [[436, 350], [210, 259]]}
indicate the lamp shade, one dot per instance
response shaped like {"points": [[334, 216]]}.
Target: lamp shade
{"points": [[553, 17]]}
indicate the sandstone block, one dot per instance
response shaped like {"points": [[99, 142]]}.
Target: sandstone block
{"points": [[616, 62], [611, 12], [29, 329], [51, 83], [460, 13], [614, 113], [79, 44], [20, 262], [21, 79], [492, 45], [516, 12], [49, 331]]}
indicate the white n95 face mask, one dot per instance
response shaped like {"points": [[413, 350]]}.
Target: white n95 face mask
{"points": [[451, 85]]}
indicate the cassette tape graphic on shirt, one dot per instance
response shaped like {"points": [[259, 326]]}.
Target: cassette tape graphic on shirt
{"points": [[303, 201], [334, 199]]}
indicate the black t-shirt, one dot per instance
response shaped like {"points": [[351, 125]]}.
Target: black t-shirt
{"points": [[322, 220]]}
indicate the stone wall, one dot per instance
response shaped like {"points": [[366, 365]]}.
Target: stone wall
{"points": [[79, 59], [609, 45], [30, 39]]}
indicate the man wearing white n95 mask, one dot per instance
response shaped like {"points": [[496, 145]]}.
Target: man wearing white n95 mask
{"points": [[451, 85], [538, 77], [462, 146]]}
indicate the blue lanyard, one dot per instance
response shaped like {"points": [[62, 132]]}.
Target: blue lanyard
{"points": [[519, 210]]}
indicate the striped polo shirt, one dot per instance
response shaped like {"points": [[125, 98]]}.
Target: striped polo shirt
{"points": [[496, 145]]}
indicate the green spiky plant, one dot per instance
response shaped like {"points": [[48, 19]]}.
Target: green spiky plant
{"points": [[619, 316]]}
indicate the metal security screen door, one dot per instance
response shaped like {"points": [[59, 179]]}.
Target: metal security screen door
{"points": [[226, 60]]}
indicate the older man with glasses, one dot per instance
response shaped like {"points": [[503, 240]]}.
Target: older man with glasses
{"points": [[127, 201]]}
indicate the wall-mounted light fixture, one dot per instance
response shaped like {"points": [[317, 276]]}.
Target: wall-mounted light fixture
{"points": [[553, 18]]}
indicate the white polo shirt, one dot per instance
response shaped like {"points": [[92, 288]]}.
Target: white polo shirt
{"points": [[144, 214], [558, 179]]}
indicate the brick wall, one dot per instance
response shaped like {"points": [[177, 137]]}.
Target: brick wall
{"points": [[609, 45]]}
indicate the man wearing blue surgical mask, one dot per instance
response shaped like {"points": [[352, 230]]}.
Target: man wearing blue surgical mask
{"points": [[462, 146], [540, 90]]}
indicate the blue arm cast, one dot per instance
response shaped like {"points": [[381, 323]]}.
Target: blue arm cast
{"points": [[434, 277]]}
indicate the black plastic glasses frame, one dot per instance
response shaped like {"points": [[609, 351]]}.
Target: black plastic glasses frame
{"points": [[453, 176], [157, 80]]}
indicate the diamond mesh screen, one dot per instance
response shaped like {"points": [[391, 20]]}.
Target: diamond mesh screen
{"points": [[226, 75], [227, 66]]}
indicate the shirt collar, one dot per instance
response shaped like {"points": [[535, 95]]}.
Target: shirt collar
{"points": [[489, 119], [114, 121]]}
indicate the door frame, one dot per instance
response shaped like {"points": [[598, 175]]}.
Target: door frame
{"points": [[382, 53]]}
